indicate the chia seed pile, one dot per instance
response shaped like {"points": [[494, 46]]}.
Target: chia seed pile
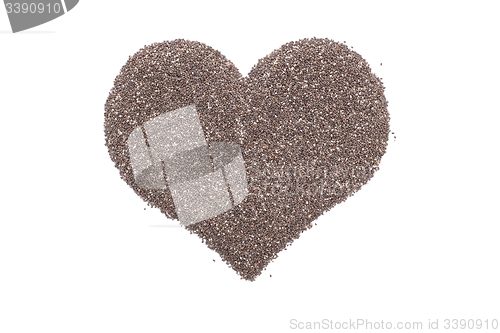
{"points": [[311, 120]]}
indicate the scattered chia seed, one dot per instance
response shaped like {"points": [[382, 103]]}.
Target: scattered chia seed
{"points": [[311, 120]]}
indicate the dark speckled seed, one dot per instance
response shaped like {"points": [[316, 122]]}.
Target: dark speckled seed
{"points": [[311, 120]]}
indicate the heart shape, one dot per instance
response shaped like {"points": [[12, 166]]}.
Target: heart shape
{"points": [[310, 119]]}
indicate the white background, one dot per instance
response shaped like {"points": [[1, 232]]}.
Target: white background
{"points": [[78, 252]]}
